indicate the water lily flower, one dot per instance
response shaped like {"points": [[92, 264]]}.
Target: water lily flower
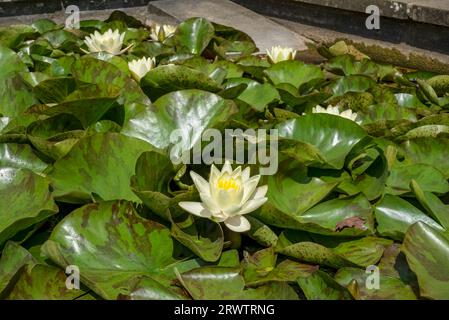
{"points": [[227, 196], [162, 32], [348, 114], [140, 67], [278, 54], [110, 41]]}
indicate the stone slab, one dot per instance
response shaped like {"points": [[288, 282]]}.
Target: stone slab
{"points": [[426, 11], [11, 8], [265, 32], [388, 8]]}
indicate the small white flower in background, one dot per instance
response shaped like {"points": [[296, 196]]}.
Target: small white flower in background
{"points": [[278, 54], [227, 196], [162, 32], [348, 114], [140, 67], [110, 41]]}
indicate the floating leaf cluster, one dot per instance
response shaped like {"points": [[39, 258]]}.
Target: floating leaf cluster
{"points": [[86, 178]]}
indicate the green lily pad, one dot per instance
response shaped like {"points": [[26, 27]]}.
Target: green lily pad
{"points": [[108, 178], [395, 215], [432, 204], [193, 35], [353, 83], [428, 151], [390, 288], [352, 216], [184, 113], [256, 94], [117, 252], [14, 258], [260, 268], [20, 156], [153, 174], [333, 136], [321, 286], [169, 78], [295, 73], [426, 250], [42, 282], [429, 178], [25, 200], [303, 191], [15, 96], [364, 252], [213, 283]]}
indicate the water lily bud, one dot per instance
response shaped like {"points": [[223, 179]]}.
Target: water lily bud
{"points": [[162, 32], [278, 54], [140, 67], [348, 114]]}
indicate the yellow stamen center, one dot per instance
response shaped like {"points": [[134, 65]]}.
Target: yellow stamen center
{"points": [[228, 183]]}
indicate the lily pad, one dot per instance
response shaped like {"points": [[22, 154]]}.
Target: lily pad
{"points": [[295, 73], [169, 78], [212, 283], [193, 35], [14, 258], [123, 254], [395, 215], [426, 250], [42, 282], [186, 114], [333, 136], [15, 96], [390, 288], [108, 179], [25, 199], [20, 156]]}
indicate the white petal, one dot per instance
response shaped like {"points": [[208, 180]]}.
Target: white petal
{"points": [[196, 208], [237, 172], [245, 174], [346, 114], [318, 109], [220, 217], [260, 192], [226, 167], [227, 199], [238, 224], [333, 110], [232, 210], [253, 205], [249, 187], [214, 174], [201, 184], [210, 203]]}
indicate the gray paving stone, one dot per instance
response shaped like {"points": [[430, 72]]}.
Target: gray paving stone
{"points": [[265, 32], [388, 8], [427, 11], [430, 11]]}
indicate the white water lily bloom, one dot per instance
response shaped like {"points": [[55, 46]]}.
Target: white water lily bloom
{"points": [[278, 54], [139, 68], [348, 114], [227, 196], [110, 41], [162, 32]]}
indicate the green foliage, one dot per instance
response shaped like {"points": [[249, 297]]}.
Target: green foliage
{"points": [[88, 177]]}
